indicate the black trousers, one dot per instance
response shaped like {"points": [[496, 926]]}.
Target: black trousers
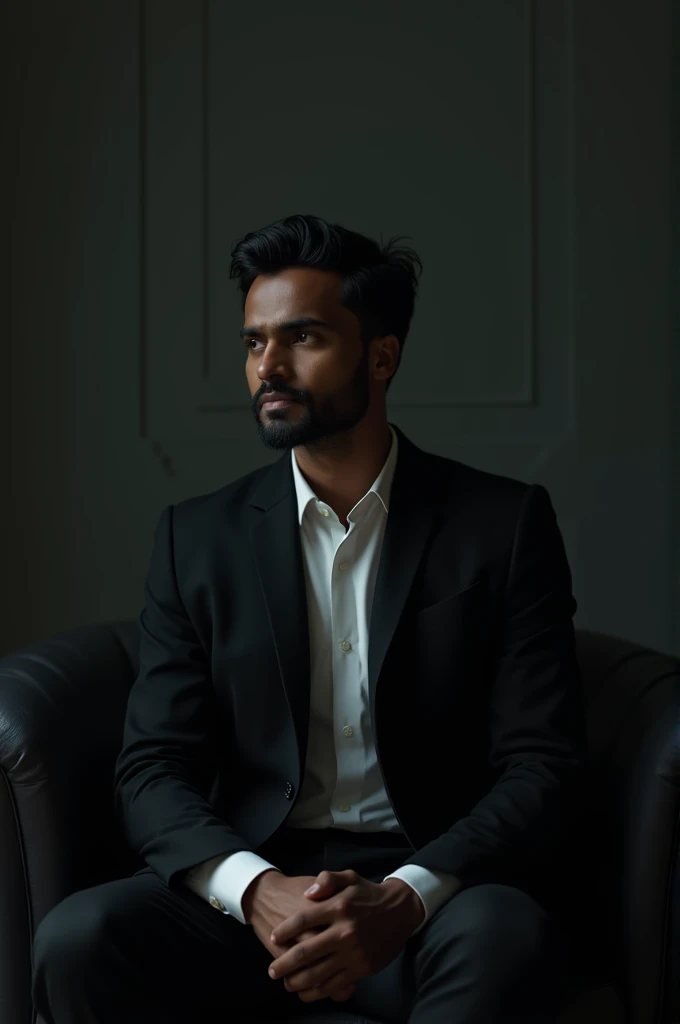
{"points": [[135, 951]]}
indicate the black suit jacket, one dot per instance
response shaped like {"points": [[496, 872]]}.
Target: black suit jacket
{"points": [[474, 687]]}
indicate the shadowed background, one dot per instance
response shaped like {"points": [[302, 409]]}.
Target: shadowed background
{"points": [[525, 148]]}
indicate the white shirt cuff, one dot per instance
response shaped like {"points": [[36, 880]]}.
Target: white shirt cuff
{"points": [[434, 887], [223, 880]]}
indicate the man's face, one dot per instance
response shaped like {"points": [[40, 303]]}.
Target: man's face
{"points": [[308, 381]]}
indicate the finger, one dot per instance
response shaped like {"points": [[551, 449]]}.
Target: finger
{"points": [[303, 954], [277, 951], [318, 892], [341, 980], [293, 926], [328, 882], [313, 976]]}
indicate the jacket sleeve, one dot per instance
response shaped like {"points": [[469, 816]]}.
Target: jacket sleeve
{"points": [[164, 772], [536, 720]]}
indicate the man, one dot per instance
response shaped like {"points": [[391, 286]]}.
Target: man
{"points": [[354, 750]]}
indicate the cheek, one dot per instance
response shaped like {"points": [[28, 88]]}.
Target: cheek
{"points": [[324, 374]]}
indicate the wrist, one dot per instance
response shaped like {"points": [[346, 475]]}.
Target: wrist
{"points": [[414, 908], [253, 895]]}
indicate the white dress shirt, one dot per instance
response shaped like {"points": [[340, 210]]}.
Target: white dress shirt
{"points": [[342, 784]]}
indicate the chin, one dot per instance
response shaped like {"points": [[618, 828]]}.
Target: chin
{"points": [[277, 434]]}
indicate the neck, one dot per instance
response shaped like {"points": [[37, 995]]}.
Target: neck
{"points": [[341, 469]]}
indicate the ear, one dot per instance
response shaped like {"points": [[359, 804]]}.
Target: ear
{"points": [[386, 356]]}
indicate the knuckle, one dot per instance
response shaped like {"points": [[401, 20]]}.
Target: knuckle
{"points": [[300, 920]]}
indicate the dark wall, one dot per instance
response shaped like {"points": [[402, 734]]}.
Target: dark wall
{"points": [[524, 147]]}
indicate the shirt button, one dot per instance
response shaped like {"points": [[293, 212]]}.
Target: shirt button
{"points": [[346, 645], [345, 807], [347, 731], [324, 511], [344, 566]]}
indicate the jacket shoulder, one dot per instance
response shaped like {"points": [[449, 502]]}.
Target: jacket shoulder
{"points": [[460, 479], [232, 496]]}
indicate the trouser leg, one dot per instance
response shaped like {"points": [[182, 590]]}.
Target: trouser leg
{"points": [[491, 955], [136, 951]]}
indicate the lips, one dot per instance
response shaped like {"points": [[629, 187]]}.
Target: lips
{"points": [[276, 400]]}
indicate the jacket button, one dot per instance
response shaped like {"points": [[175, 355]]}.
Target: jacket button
{"points": [[289, 791]]}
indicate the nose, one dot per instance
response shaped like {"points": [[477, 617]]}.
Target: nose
{"points": [[274, 362]]}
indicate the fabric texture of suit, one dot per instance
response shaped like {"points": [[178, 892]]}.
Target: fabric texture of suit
{"points": [[474, 688]]}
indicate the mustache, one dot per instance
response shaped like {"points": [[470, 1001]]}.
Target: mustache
{"points": [[282, 389]]}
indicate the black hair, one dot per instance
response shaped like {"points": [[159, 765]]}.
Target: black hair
{"points": [[380, 281]]}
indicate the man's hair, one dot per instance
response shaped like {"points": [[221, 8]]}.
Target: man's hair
{"points": [[380, 281]]}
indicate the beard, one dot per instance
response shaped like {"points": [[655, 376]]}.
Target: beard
{"points": [[320, 419]]}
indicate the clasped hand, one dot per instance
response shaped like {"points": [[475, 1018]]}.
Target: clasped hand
{"points": [[360, 927]]}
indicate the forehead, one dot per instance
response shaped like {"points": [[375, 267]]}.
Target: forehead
{"points": [[297, 291]]}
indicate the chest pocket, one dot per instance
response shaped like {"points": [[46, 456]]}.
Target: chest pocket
{"points": [[452, 641], [453, 606], [454, 630]]}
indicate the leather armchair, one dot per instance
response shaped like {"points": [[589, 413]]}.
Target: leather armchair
{"points": [[62, 706]]}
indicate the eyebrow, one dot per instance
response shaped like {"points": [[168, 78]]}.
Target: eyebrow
{"points": [[287, 325]]}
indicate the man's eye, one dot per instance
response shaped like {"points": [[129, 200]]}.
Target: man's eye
{"points": [[304, 335]]}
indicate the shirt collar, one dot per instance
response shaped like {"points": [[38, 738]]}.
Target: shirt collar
{"points": [[382, 486]]}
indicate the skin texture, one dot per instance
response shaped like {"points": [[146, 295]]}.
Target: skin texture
{"points": [[359, 930], [270, 900], [341, 414], [324, 941], [350, 927]]}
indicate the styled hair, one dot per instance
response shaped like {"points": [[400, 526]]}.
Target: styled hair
{"points": [[380, 281]]}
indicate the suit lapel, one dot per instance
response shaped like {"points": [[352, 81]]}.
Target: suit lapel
{"points": [[412, 515], [278, 556]]}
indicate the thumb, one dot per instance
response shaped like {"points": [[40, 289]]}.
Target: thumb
{"points": [[324, 885]]}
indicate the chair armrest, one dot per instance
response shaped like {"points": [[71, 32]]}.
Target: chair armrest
{"points": [[62, 709], [632, 833]]}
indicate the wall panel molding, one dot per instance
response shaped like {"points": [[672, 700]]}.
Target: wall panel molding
{"points": [[190, 220]]}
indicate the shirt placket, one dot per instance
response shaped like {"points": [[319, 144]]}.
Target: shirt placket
{"points": [[346, 681]]}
